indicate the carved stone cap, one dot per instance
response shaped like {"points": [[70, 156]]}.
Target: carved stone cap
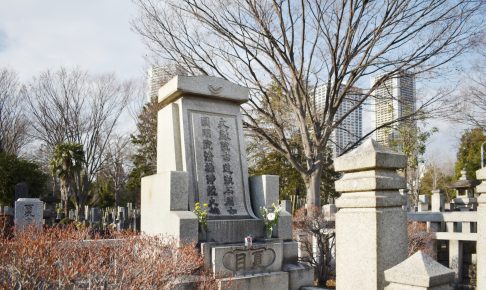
{"points": [[206, 86], [420, 270], [370, 155]]}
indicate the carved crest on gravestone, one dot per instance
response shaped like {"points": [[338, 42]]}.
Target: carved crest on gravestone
{"points": [[215, 90], [249, 260]]}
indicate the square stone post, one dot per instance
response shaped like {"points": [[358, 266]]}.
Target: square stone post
{"points": [[481, 229], [371, 225], [437, 200]]}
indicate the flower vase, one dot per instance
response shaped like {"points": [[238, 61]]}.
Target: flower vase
{"points": [[268, 232]]}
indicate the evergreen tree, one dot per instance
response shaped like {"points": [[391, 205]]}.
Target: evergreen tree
{"points": [[145, 141], [14, 170], [469, 153]]}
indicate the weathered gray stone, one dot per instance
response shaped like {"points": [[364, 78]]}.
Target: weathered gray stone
{"points": [[370, 155], [232, 260], [370, 212], [419, 271], [290, 252], [438, 200], [300, 275], [264, 192], [206, 86], [162, 199], [28, 212], [234, 231], [286, 205], [205, 139], [275, 280], [284, 226]]}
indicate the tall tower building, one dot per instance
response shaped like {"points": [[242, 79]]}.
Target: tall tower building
{"points": [[351, 129], [394, 99], [159, 76]]}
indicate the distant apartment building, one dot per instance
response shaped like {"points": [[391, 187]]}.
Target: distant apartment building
{"points": [[393, 99], [159, 75], [350, 130]]}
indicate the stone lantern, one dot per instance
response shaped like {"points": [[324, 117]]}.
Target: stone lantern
{"points": [[465, 188]]}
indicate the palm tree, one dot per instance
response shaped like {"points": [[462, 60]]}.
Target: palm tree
{"points": [[66, 164]]}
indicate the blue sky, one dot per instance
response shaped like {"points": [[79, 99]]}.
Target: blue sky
{"points": [[95, 35]]}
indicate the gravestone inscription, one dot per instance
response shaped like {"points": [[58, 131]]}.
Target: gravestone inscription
{"points": [[28, 212], [218, 164]]}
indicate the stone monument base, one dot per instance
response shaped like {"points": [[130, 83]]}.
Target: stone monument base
{"points": [[267, 264]]}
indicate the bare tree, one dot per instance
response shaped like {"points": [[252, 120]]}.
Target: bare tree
{"points": [[74, 106], [294, 46], [13, 122]]}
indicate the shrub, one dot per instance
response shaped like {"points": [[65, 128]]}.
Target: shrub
{"points": [[419, 239], [310, 223], [60, 258]]}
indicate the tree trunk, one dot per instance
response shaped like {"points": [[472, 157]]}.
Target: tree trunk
{"points": [[313, 187]]}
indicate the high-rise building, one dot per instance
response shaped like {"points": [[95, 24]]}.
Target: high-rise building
{"points": [[159, 76], [393, 99], [350, 130]]}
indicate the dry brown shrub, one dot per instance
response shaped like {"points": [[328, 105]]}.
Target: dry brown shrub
{"points": [[419, 239], [63, 259], [310, 222]]}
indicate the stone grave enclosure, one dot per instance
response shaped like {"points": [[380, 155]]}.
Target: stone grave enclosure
{"points": [[201, 158]]}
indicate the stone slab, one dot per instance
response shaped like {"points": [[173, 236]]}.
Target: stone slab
{"points": [[161, 194], [265, 281], [235, 230], [300, 275], [211, 142], [370, 180], [284, 226], [212, 87], [370, 155], [370, 199], [290, 252], [234, 260], [264, 191]]}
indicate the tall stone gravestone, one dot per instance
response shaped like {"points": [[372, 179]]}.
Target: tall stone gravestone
{"points": [[199, 158], [28, 212]]}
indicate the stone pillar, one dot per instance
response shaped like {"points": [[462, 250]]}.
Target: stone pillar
{"points": [[481, 229], [419, 272], [371, 225], [455, 258], [438, 200]]}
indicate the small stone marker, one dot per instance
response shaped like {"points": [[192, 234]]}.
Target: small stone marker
{"points": [[419, 272], [28, 212]]}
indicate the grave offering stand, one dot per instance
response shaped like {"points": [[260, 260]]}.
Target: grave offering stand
{"points": [[201, 158]]}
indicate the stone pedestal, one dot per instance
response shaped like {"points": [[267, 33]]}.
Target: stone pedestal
{"points": [[371, 225], [28, 212], [481, 229], [419, 272]]}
